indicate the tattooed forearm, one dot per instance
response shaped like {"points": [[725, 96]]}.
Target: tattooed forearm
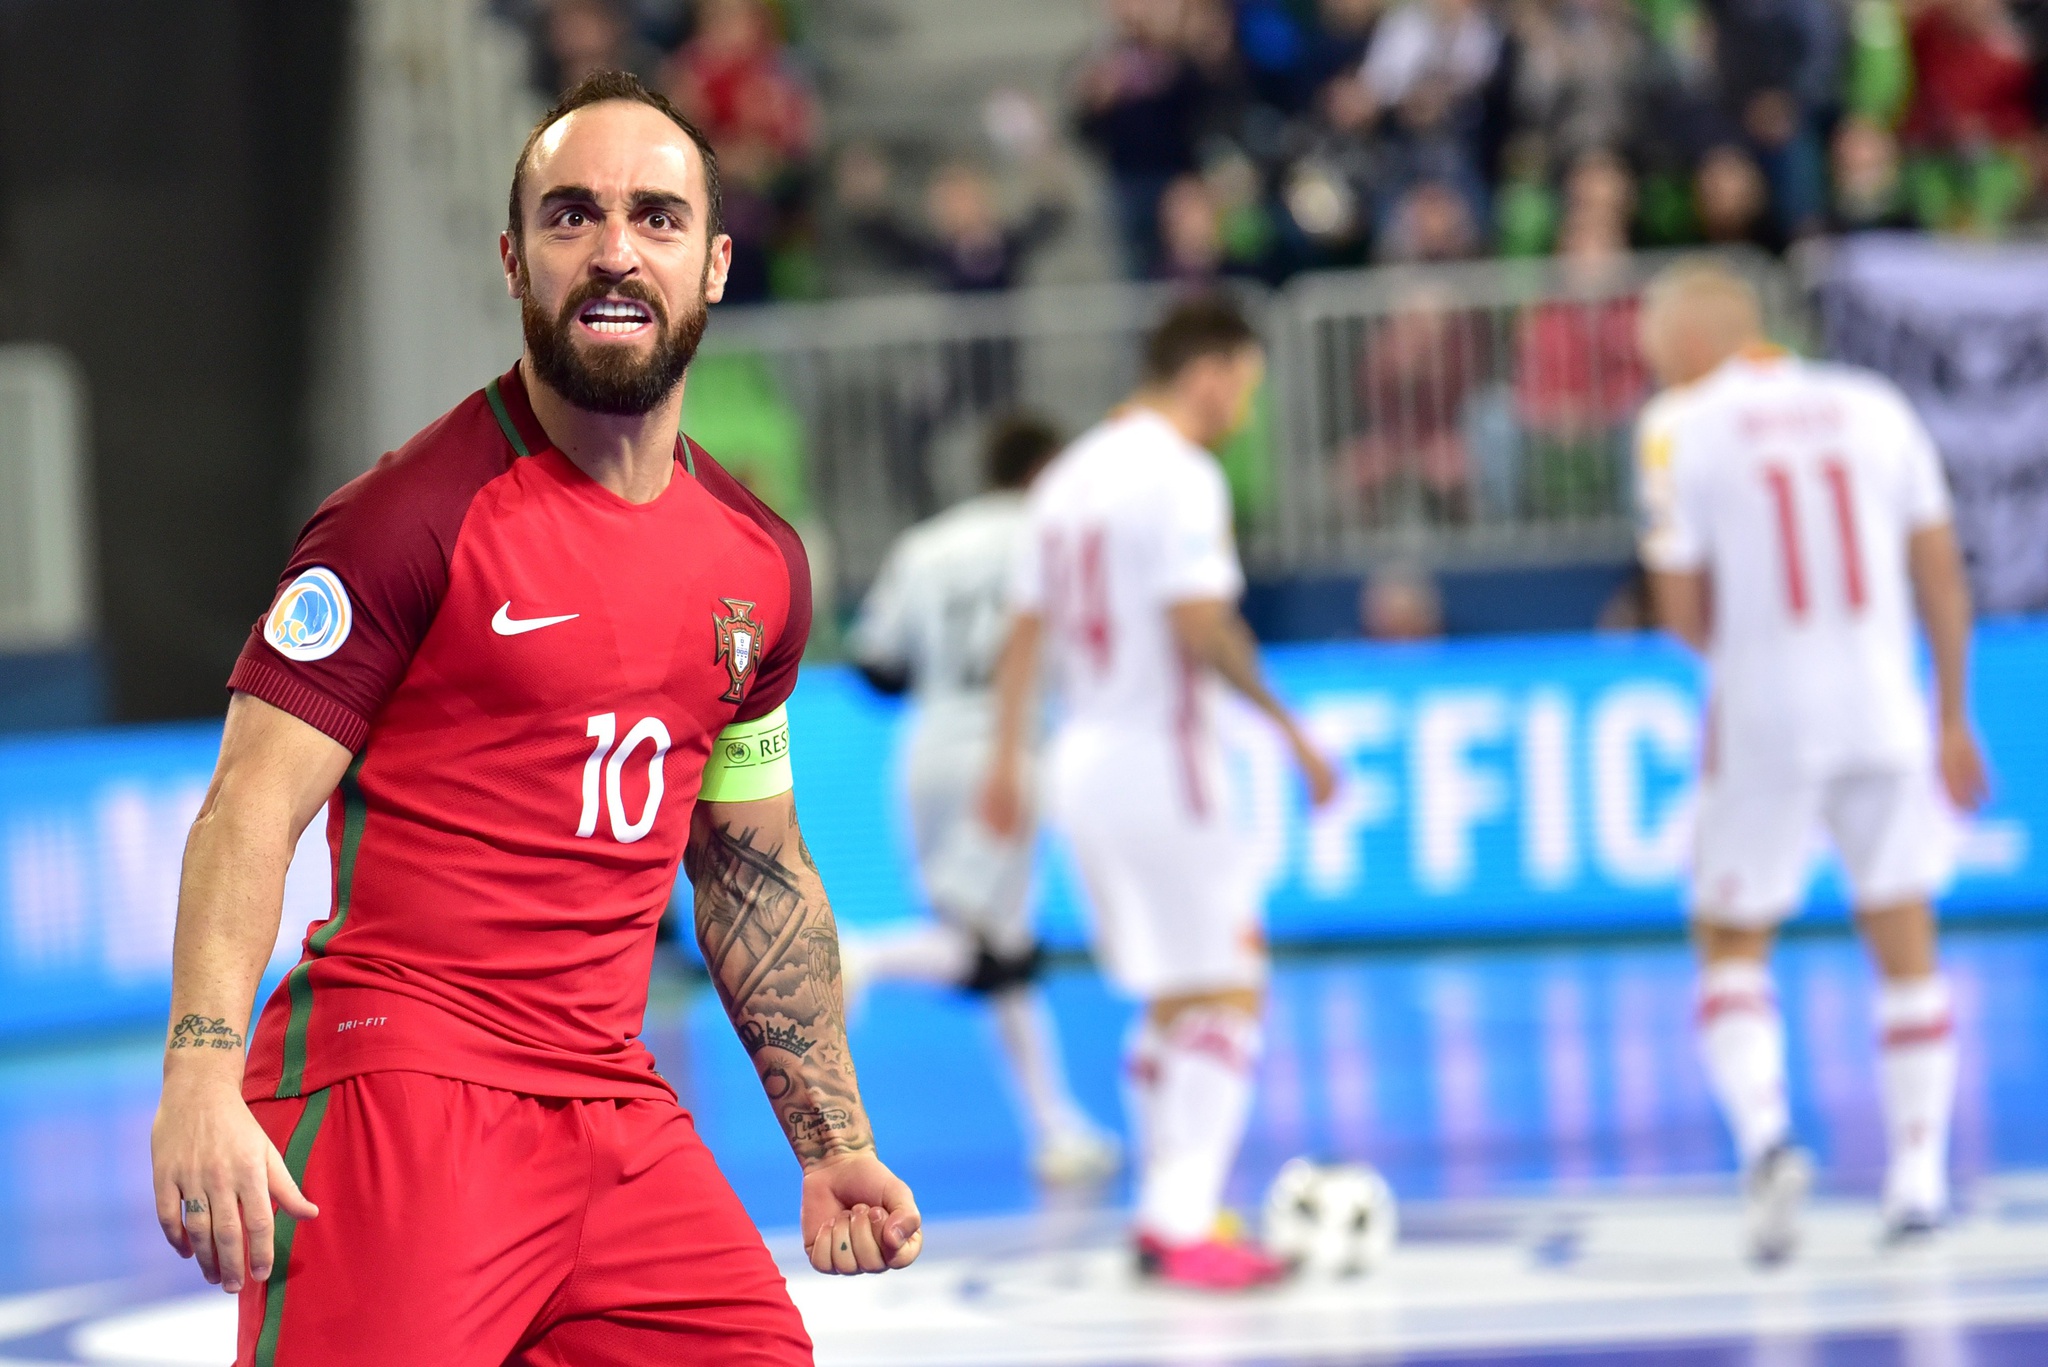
{"points": [[773, 951], [823, 1123], [757, 1037], [203, 1032]]}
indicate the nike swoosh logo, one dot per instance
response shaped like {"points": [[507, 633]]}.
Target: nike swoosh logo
{"points": [[506, 625]]}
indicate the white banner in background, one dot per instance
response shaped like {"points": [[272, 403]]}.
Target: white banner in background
{"points": [[1963, 329]]}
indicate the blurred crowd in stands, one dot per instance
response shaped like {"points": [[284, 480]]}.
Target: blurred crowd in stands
{"points": [[1258, 138], [733, 67], [1275, 135], [1254, 139]]}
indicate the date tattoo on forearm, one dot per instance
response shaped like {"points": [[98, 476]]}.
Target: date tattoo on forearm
{"points": [[773, 950], [203, 1032]]}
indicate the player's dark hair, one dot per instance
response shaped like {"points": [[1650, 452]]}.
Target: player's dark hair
{"points": [[1018, 448], [1207, 325], [598, 88]]}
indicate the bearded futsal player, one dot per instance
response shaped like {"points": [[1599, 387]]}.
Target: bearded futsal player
{"points": [[527, 663]]}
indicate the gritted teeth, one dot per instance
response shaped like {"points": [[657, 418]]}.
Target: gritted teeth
{"points": [[615, 315]]}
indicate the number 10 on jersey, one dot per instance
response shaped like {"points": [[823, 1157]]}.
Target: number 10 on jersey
{"points": [[604, 729]]}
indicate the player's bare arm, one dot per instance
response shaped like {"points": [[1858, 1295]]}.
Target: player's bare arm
{"points": [[772, 948], [1016, 678], [1943, 594], [216, 1173], [1679, 600], [1213, 632]]}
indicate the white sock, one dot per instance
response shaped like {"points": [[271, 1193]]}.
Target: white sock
{"points": [[1200, 1103], [1742, 1041], [1918, 1068], [1026, 1028], [930, 953], [1142, 1067]]}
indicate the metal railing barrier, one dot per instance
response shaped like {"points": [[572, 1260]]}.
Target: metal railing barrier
{"points": [[1475, 414]]}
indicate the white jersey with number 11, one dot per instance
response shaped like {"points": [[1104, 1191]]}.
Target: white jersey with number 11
{"points": [[1797, 487]]}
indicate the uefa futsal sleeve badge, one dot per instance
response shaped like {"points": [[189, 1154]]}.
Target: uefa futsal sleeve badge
{"points": [[311, 618], [739, 645]]}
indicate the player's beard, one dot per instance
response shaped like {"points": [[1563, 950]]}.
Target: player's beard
{"points": [[612, 379]]}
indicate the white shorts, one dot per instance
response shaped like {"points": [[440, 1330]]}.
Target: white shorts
{"points": [[975, 880], [1756, 842], [1173, 893]]}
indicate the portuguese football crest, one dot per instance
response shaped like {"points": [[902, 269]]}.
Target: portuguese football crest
{"points": [[739, 644]]}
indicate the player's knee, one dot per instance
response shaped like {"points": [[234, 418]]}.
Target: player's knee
{"points": [[996, 972], [1721, 943], [1244, 1001]]}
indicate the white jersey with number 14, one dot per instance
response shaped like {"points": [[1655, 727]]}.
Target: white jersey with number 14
{"points": [[1130, 520], [1796, 486]]}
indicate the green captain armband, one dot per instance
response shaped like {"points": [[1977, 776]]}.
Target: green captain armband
{"points": [[749, 761]]}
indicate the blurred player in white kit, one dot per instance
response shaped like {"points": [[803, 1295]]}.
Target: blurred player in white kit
{"points": [[1127, 587], [932, 624], [1795, 514]]}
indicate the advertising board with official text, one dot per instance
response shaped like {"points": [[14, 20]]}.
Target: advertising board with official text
{"points": [[1525, 786]]}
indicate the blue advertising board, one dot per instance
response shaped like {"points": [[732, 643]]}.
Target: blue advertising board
{"points": [[1512, 786], [1535, 785]]}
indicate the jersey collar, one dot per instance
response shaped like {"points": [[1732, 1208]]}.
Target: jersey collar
{"points": [[514, 412]]}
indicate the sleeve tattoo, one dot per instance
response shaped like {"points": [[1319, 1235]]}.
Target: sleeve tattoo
{"points": [[773, 950]]}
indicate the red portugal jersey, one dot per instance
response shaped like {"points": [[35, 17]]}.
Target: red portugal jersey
{"points": [[530, 671]]}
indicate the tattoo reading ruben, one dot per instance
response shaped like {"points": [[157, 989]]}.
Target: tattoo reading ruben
{"points": [[202, 1032], [773, 951]]}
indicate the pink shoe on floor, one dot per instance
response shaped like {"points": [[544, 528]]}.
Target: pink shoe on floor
{"points": [[1209, 1264]]}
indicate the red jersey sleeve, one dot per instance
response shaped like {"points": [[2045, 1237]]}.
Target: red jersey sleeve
{"points": [[775, 678], [366, 578]]}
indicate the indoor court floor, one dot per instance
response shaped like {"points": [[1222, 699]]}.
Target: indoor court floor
{"points": [[1567, 1192]]}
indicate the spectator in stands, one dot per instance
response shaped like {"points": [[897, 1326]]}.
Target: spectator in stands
{"points": [[1731, 202], [1400, 602], [1190, 233], [1427, 60], [1418, 370], [964, 244], [1211, 226], [580, 37], [1424, 78], [734, 79], [1777, 64], [1968, 127], [1584, 74], [1291, 49], [1579, 377], [1869, 192], [737, 82], [1432, 222], [1599, 205], [1208, 39], [1140, 101]]}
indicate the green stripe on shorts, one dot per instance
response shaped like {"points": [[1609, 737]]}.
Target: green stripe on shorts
{"points": [[295, 1155]]}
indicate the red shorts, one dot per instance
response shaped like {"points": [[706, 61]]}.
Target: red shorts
{"points": [[463, 1226]]}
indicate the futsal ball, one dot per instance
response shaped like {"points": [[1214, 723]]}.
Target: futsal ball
{"points": [[1332, 1220]]}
